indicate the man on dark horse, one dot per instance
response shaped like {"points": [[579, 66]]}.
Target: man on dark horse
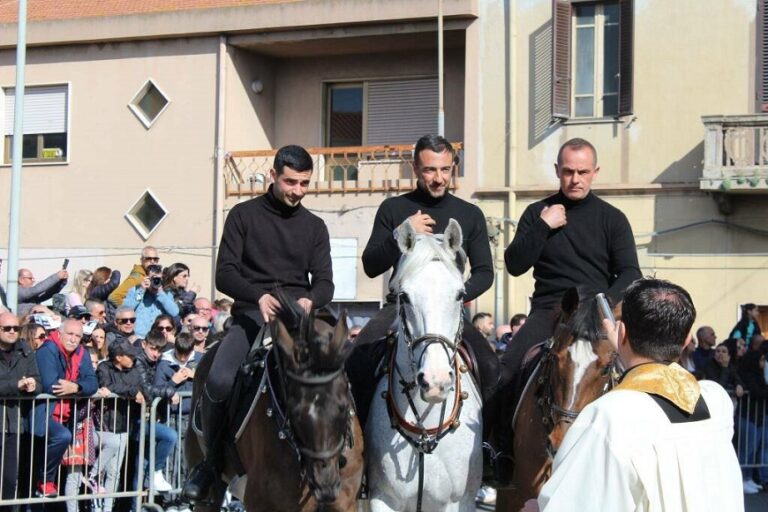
{"points": [[268, 241], [571, 239], [428, 209]]}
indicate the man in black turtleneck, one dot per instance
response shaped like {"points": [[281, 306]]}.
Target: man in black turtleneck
{"points": [[428, 208], [267, 242], [571, 239]]}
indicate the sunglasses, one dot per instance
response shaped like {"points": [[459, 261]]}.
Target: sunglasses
{"points": [[166, 328], [87, 316], [10, 328], [200, 329], [123, 321], [150, 258]]}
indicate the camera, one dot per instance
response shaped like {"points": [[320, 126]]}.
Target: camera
{"points": [[156, 281]]}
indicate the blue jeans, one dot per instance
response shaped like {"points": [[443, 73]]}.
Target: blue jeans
{"points": [[753, 447], [165, 442], [59, 438]]}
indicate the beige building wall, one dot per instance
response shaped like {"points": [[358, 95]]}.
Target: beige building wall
{"points": [[651, 162]]}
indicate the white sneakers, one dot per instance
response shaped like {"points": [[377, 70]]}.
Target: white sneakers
{"points": [[486, 495], [750, 487], [161, 484]]}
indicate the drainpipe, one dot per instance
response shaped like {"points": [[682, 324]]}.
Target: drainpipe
{"points": [[218, 189], [16, 155], [440, 71]]}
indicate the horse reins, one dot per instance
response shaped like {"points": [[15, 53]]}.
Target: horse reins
{"points": [[428, 438]]}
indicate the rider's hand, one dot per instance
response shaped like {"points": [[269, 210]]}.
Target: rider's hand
{"points": [[306, 304], [269, 306], [421, 222], [554, 216]]}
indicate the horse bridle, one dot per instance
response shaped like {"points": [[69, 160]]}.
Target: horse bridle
{"points": [[285, 432], [551, 413]]}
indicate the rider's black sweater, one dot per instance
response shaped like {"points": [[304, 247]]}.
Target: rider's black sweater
{"points": [[382, 252], [267, 243], [594, 252]]}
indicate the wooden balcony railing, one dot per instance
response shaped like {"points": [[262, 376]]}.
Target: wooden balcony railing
{"points": [[337, 170], [735, 153]]}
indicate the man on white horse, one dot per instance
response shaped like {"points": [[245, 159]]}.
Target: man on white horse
{"points": [[571, 239], [428, 209], [267, 241], [639, 446]]}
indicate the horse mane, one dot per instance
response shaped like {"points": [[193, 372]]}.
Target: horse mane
{"points": [[426, 249], [585, 324]]}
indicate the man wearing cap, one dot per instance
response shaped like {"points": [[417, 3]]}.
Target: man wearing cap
{"points": [[640, 446], [149, 257], [268, 240], [79, 313], [116, 376], [18, 377], [65, 371], [31, 293]]}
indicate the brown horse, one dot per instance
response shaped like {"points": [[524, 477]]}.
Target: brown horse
{"points": [[302, 447], [577, 366]]}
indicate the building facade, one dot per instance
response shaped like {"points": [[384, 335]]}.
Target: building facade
{"points": [[147, 122]]}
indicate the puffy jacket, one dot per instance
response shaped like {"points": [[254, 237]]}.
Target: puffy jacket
{"points": [[136, 276], [147, 370], [168, 366], [22, 364]]}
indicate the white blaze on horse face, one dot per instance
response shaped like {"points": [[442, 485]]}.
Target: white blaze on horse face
{"points": [[582, 355]]}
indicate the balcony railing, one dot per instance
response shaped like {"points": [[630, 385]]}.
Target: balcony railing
{"points": [[735, 153], [337, 170]]}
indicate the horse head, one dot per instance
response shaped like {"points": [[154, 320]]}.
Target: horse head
{"points": [[317, 400], [430, 289], [581, 365]]}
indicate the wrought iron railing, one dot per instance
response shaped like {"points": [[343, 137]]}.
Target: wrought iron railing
{"points": [[337, 170], [735, 153]]}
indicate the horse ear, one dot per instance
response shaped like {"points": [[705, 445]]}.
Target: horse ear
{"points": [[570, 301], [406, 237], [339, 343], [452, 237], [286, 343]]}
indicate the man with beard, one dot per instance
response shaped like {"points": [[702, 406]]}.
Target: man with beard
{"points": [[428, 209]]}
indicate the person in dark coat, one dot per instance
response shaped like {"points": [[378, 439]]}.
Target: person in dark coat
{"points": [[65, 371], [720, 370], [177, 368], [18, 377], [753, 429]]}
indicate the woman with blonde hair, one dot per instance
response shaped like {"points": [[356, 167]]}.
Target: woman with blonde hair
{"points": [[78, 293]]}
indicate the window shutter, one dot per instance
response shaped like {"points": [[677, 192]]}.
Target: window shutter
{"points": [[561, 59], [762, 53], [400, 112], [626, 56], [45, 109]]}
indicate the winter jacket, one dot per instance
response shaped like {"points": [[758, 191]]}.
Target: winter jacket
{"points": [[147, 370], [184, 299], [53, 366], [38, 293], [136, 276], [148, 306], [22, 364], [168, 366], [752, 375], [116, 413], [101, 291]]}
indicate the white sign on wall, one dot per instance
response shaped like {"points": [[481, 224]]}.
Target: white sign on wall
{"points": [[344, 260]]}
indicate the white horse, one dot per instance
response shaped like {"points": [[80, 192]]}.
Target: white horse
{"points": [[424, 431]]}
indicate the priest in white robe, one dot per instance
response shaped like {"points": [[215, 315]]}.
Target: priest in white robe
{"points": [[660, 441]]}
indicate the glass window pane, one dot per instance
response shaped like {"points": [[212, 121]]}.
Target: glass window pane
{"points": [[346, 116], [585, 107], [152, 102], [28, 146], [585, 61], [611, 59], [610, 105], [585, 14], [56, 141], [611, 13]]}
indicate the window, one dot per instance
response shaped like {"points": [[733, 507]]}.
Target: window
{"points": [[592, 58], [762, 56], [146, 214], [149, 103], [45, 138], [381, 112]]}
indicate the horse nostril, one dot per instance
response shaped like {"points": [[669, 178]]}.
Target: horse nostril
{"points": [[450, 375], [421, 380]]}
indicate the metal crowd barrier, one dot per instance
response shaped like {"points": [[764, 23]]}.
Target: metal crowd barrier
{"points": [[31, 452], [750, 426]]}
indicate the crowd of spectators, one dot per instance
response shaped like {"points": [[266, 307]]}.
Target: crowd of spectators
{"points": [[103, 348]]}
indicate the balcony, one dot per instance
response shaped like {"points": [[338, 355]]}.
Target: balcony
{"points": [[735, 154], [347, 170]]}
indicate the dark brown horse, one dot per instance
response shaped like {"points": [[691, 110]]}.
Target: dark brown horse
{"points": [[302, 448], [576, 367]]}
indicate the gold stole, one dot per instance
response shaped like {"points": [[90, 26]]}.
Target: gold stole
{"points": [[670, 381]]}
